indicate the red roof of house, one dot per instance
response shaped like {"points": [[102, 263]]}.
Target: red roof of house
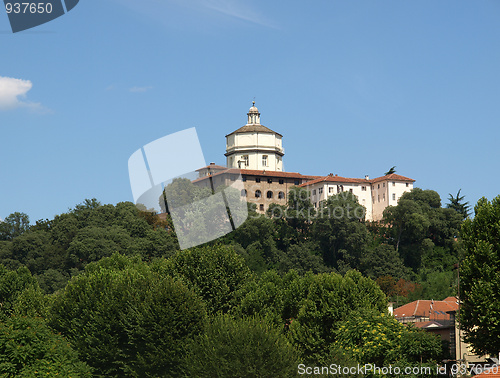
{"points": [[335, 178], [212, 166], [339, 179], [254, 172], [392, 177], [428, 308]]}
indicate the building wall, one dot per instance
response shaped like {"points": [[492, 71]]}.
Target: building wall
{"points": [[387, 193], [375, 197], [251, 185], [255, 145], [321, 191]]}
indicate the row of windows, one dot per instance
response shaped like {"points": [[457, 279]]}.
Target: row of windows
{"points": [[383, 197], [245, 161], [383, 185], [270, 180], [258, 194]]}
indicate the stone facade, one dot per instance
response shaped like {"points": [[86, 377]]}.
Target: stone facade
{"points": [[260, 187]]}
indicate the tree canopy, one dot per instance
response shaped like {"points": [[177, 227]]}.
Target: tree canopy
{"points": [[480, 278]]}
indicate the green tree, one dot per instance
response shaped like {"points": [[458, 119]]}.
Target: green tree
{"points": [[457, 203], [480, 278], [12, 284], [251, 347], [326, 300], [216, 273], [29, 348], [375, 338], [383, 260], [418, 223], [14, 225], [390, 171], [126, 320], [341, 232]]}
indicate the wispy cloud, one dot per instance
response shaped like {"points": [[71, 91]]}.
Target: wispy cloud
{"points": [[237, 9], [140, 89], [169, 11], [13, 95]]}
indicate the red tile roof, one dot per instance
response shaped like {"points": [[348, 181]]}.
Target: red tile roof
{"points": [[262, 173], [392, 177], [335, 179], [428, 308], [339, 179], [212, 166]]}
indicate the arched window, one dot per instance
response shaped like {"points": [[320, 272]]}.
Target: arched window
{"points": [[243, 192], [281, 195], [269, 194], [258, 194]]}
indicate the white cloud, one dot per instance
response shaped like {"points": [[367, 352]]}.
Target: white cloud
{"points": [[140, 89], [13, 93]]}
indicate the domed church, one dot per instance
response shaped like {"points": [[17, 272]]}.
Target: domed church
{"points": [[254, 146], [256, 152]]}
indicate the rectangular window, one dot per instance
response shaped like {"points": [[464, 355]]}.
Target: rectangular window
{"points": [[261, 207], [320, 190], [269, 180], [281, 181], [243, 178], [245, 160], [378, 186], [350, 190], [378, 198], [393, 183], [330, 190], [264, 160], [363, 188], [394, 196], [383, 184], [407, 185], [383, 197], [373, 199], [257, 179], [314, 192], [296, 182]]}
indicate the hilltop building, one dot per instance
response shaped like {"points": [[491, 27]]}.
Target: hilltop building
{"points": [[256, 152], [254, 146]]}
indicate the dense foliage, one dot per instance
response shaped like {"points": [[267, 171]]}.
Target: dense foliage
{"points": [[299, 285], [480, 278]]}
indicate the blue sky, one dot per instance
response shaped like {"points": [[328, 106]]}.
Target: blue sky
{"points": [[355, 87]]}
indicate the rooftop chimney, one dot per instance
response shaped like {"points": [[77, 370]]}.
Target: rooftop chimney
{"points": [[367, 177]]}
